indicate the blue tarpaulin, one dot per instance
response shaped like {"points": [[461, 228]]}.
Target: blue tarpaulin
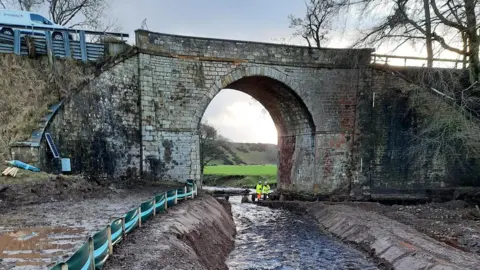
{"points": [[23, 165]]}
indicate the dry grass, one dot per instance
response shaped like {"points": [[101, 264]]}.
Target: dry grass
{"points": [[27, 88]]}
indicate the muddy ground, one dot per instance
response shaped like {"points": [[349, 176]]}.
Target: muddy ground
{"points": [[455, 223], [44, 221], [199, 234]]}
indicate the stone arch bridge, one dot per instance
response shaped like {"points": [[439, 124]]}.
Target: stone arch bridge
{"points": [[340, 121]]}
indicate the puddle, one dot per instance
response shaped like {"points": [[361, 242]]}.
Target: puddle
{"points": [[37, 247]]}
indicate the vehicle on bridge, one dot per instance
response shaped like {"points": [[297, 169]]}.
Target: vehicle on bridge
{"points": [[25, 22]]}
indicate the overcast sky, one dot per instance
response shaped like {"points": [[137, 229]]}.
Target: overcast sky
{"points": [[236, 115], [233, 113]]}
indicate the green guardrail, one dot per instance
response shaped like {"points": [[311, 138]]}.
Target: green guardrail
{"points": [[94, 253]]}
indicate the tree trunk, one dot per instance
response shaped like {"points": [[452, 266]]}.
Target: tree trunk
{"points": [[465, 50], [473, 41], [428, 30]]}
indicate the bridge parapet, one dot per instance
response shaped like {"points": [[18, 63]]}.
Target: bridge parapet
{"points": [[253, 52], [61, 43]]}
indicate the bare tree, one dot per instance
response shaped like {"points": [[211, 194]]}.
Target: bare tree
{"points": [[451, 24], [77, 13], [444, 131], [210, 148], [89, 14], [462, 16], [316, 24], [27, 5]]}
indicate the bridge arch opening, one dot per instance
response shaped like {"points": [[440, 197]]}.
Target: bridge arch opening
{"points": [[292, 119]]}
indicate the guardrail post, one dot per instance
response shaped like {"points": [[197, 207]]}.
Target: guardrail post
{"points": [[109, 236], [176, 196], [83, 46], [154, 206], [48, 37], [91, 248], [166, 200], [66, 45], [123, 228], [16, 42], [185, 197]]}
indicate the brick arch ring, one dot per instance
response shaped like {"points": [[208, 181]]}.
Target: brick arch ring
{"points": [[235, 75]]}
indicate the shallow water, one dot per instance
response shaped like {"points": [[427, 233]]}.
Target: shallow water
{"points": [[33, 248], [279, 239]]}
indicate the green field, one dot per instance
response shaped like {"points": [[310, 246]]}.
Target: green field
{"points": [[241, 170], [246, 176]]}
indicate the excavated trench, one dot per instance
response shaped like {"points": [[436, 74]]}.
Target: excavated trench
{"points": [[201, 234]]}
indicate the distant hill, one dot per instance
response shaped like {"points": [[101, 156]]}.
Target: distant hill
{"points": [[247, 153]]}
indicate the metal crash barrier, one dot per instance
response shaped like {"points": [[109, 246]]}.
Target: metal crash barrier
{"points": [[94, 253]]}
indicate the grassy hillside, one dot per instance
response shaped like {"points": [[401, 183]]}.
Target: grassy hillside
{"points": [[247, 154], [27, 88], [245, 176], [242, 170]]}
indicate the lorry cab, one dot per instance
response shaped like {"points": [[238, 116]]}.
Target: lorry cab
{"points": [[26, 21]]}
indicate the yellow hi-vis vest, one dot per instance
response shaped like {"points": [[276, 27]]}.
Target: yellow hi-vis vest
{"points": [[259, 189], [266, 189]]}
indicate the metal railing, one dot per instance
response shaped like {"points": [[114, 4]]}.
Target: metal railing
{"points": [[383, 59], [40, 41]]}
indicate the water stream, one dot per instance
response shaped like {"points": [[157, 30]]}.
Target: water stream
{"points": [[280, 239]]}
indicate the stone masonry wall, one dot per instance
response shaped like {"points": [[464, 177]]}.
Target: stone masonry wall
{"points": [[386, 127], [177, 90], [99, 127], [343, 126], [253, 52]]}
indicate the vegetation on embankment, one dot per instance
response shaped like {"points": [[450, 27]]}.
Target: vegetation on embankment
{"points": [[234, 153], [28, 87], [245, 176], [242, 170]]}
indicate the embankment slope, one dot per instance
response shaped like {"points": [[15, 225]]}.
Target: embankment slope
{"points": [[198, 235], [392, 243]]}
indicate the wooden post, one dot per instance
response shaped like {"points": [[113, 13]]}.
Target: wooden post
{"points": [[48, 37], [66, 45], [176, 196], [166, 201], [154, 206], [139, 216], [83, 46], [91, 248], [185, 193], [64, 266], [109, 236], [193, 192]]}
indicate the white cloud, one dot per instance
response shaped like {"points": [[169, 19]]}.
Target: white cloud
{"points": [[240, 118]]}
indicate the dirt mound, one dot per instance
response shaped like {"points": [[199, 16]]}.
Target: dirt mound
{"points": [[43, 187], [455, 223], [198, 234]]}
